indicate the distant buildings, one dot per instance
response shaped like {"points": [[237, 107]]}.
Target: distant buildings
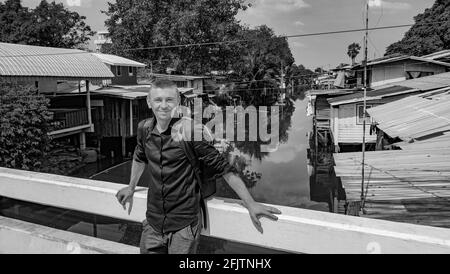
{"points": [[197, 83], [102, 39]]}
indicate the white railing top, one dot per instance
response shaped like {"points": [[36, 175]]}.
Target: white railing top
{"points": [[297, 230]]}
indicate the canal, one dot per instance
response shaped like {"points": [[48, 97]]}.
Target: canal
{"points": [[281, 177]]}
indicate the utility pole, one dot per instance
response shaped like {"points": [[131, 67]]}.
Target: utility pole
{"points": [[363, 162], [283, 84]]}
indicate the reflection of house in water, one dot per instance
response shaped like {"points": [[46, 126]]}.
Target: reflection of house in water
{"points": [[50, 69]]}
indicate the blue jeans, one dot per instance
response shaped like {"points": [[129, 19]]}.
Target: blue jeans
{"points": [[183, 241]]}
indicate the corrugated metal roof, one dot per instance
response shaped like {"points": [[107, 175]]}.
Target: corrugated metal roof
{"points": [[413, 117], [185, 90], [178, 77], [422, 84], [125, 92], [438, 55], [115, 60], [383, 61], [31, 61], [402, 186], [371, 95], [315, 92], [441, 141], [428, 83], [395, 174]]}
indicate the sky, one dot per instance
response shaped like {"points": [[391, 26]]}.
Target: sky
{"points": [[291, 17]]}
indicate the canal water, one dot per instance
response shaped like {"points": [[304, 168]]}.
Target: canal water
{"points": [[280, 177]]}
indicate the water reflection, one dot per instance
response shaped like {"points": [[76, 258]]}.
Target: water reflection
{"points": [[280, 177]]}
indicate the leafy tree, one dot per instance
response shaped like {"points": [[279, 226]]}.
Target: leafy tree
{"points": [[300, 76], [353, 51], [430, 33], [144, 24], [263, 57], [49, 24], [24, 124], [12, 21]]}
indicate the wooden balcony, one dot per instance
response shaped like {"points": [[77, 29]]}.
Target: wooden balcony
{"points": [[67, 121]]}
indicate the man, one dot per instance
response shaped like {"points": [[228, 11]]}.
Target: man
{"points": [[174, 218]]}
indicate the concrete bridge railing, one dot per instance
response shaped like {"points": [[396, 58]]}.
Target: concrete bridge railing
{"points": [[297, 230]]}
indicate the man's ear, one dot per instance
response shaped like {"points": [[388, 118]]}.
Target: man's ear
{"points": [[148, 101]]}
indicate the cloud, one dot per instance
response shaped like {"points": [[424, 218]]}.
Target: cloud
{"points": [[381, 4], [297, 44], [269, 6], [79, 3], [299, 23], [73, 3], [286, 154]]}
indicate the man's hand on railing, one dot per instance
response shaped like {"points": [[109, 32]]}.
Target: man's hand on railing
{"points": [[124, 196], [257, 210]]}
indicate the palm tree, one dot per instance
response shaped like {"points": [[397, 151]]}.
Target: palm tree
{"points": [[353, 51]]}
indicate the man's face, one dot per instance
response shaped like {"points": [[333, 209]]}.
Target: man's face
{"points": [[163, 101]]}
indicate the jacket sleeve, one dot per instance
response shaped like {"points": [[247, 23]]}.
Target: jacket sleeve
{"points": [[139, 152], [216, 162]]}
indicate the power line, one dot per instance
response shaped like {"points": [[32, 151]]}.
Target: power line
{"points": [[286, 36], [235, 41]]}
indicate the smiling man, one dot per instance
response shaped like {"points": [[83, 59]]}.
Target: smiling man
{"points": [[174, 213]]}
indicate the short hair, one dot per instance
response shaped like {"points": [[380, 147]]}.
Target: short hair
{"points": [[163, 83]]}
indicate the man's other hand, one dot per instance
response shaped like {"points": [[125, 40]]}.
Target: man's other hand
{"points": [[124, 196], [257, 211]]}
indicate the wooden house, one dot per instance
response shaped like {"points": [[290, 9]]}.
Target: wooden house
{"points": [[44, 68], [116, 112], [397, 68], [346, 112], [124, 70]]}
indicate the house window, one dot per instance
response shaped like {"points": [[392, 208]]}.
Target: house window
{"points": [[118, 71], [181, 84], [130, 71], [418, 74], [360, 114]]}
